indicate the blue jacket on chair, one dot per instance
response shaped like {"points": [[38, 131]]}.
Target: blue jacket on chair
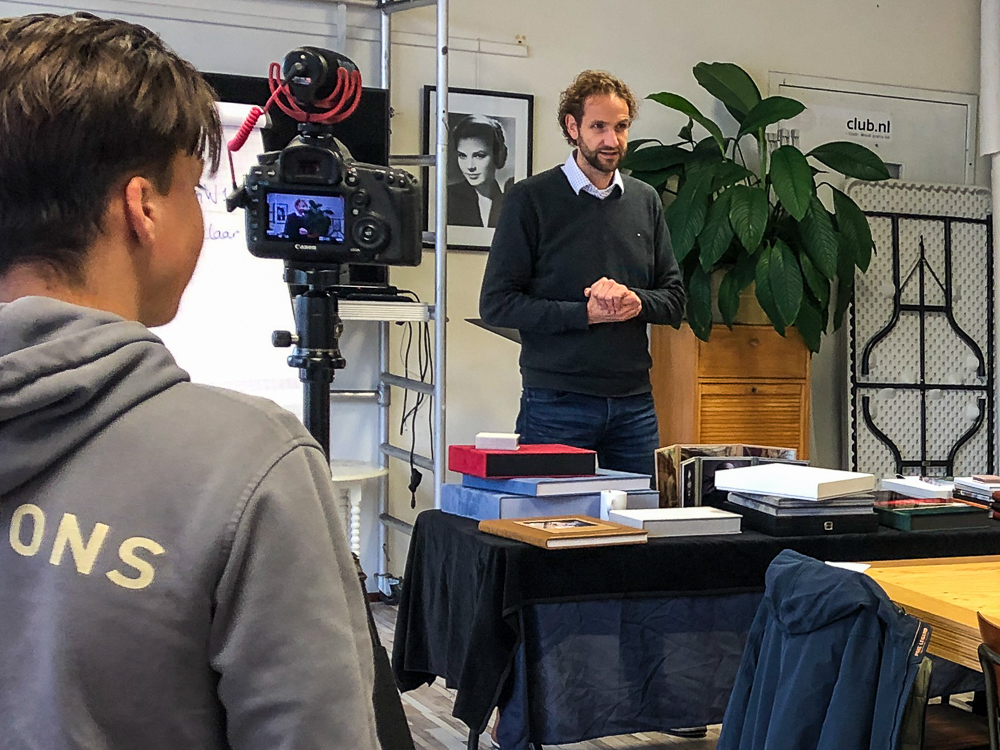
{"points": [[828, 665]]}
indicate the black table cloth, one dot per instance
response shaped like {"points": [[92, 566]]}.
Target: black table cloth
{"points": [[464, 591]]}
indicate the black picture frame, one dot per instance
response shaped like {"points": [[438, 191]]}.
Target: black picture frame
{"points": [[508, 118]]}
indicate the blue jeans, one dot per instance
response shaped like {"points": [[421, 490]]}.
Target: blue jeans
{"points": [[622, 429]]}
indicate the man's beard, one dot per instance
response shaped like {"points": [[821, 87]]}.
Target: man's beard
{"points": [[593, 158]]}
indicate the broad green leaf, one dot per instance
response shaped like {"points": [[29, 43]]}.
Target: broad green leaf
{"points": [[809, 323], [818, 284], [763, 290], [729, 298], [851, 159], [683, 105], [731, 85], [819, 238], [845, 295], [687, 132], [792, 180], [846, 259], [717, 234], [735, 281], [769, 111], [686, 215], [658, 179], [745, 270], [786, 282], [728, 173], [748, 211], [654, 158], [699, 304], [845, 281], [635, 144], [853, 225], [704, 157]]}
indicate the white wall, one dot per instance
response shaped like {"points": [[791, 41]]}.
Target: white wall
{"points": [[652, 44]]}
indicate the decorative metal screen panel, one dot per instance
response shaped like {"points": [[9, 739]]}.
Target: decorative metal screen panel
{"points": [[921, 361]]}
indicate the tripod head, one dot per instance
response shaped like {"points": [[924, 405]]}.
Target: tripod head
{"points": [[316, 339]]}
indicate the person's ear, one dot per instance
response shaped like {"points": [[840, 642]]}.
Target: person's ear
{"points": [[140, 209], [573, 128]]}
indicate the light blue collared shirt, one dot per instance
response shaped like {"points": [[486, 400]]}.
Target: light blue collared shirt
{"points": [[579, 181]]}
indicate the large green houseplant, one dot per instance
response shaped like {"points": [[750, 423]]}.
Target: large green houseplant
{"points": [[759, 220]]}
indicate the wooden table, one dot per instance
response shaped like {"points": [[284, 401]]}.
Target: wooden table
{"points": [[946, 593]]}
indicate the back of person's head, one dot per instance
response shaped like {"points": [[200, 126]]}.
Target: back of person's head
{"points": [[592, 83], [86, 104], [486, 129]]}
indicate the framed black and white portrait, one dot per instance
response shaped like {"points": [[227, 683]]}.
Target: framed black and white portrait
{"points": [[489, 149]]}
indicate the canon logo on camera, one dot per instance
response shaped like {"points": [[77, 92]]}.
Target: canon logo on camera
{"points": [[306, 247]]}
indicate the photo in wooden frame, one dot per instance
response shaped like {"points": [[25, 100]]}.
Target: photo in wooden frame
{"points": [[489, 149]]}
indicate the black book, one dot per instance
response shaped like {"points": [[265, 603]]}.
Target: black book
{"points": [[931, 514], [853, 523]]}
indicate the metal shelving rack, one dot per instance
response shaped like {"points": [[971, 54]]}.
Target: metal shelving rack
{"points": [[437, 310]]}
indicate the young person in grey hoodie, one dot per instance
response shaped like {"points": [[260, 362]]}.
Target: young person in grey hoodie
{"points": [[173, 573]]}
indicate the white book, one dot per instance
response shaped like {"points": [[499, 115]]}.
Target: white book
{"points": [[497, 441], [917, 486], [792, 480], [980, 483], [691, 521]]}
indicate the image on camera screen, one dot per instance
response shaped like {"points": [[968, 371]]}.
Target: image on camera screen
{"points": [[314, 218]]}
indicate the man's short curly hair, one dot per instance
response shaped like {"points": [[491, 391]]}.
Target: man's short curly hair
{"points": [[592, 83]]}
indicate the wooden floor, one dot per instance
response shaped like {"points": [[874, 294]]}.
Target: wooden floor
{"points": [[428, 710]]}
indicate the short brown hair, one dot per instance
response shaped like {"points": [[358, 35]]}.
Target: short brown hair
{"points": [[84, 104], [592, 83]]}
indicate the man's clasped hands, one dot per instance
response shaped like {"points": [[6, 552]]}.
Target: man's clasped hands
{"points": [[611, 302]]}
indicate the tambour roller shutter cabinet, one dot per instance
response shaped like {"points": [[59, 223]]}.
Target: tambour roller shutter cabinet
{"points": [[748, 385]]}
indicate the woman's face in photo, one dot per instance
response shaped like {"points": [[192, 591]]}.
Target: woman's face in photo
{"points": [[475, 160]]}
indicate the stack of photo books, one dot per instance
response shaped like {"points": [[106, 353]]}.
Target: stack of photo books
{"points": [[678, 476], [982, 490], [783, 499], [536, 480]]}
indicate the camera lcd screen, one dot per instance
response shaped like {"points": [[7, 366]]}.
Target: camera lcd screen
{"points": [[309, 218]]}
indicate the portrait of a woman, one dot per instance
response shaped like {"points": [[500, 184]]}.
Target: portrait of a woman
{"points": [[479, 149]]}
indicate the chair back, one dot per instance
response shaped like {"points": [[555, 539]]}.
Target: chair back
{"points": [[989, 658]]}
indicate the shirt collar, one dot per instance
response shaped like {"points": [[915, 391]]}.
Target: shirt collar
{"points": [[579, 181]]}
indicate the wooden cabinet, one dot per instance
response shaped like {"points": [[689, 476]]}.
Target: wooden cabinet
{"points": [[748, 385]]}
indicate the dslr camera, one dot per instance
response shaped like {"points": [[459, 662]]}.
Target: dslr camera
{"points": [[308, 203]]}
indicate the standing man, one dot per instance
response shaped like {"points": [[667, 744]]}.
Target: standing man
{"points": [[581, 262], [173, 572]]}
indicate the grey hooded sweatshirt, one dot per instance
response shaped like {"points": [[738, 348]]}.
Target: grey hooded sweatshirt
{"points": [[173, 571]]}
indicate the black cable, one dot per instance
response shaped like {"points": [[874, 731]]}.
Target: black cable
{"points": [[424, 368]]}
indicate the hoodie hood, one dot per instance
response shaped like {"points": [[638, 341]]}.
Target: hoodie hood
{"points": [[66, 372], [805, 594]]}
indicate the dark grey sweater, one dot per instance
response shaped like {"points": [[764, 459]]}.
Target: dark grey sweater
{"points": [[550, 244]]}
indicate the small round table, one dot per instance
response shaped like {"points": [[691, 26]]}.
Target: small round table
{"points": [[348, 476]]}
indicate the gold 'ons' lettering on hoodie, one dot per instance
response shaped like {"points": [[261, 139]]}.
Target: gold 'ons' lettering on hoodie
{"points": [[27, 537]]}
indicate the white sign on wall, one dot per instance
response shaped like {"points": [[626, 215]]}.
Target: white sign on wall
{"points": [[930, 135]]}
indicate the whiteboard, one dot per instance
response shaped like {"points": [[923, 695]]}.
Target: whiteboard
{"points": [[222, 332]]}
